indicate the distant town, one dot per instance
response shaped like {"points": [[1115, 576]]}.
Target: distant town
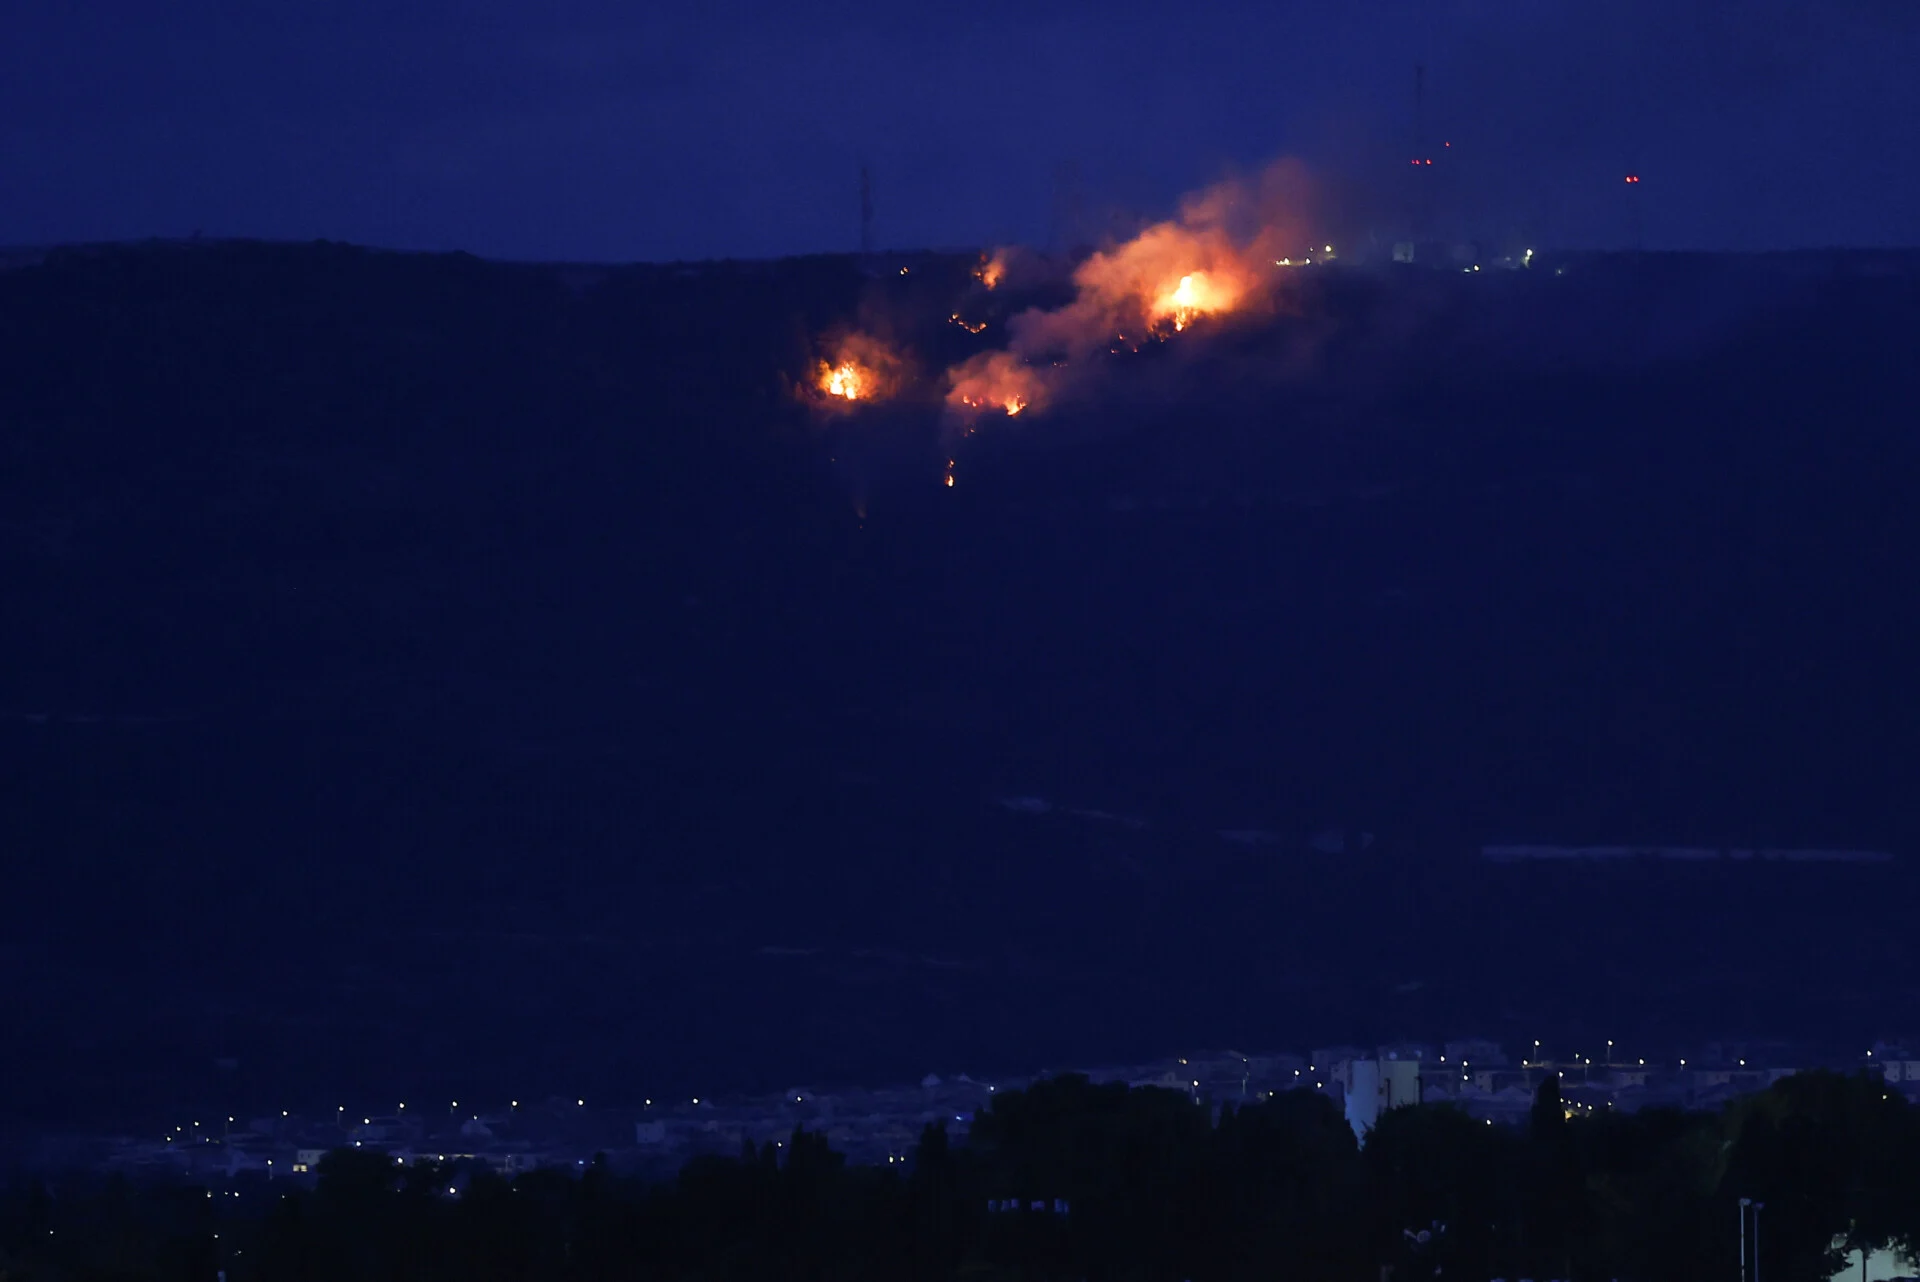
{"points": [[653, 1137]]}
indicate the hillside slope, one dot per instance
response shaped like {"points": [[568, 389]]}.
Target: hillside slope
{"points": [[422, 670]]}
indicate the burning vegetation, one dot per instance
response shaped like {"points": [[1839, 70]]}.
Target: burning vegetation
{"points": [[996, 381], [1215, 260], [862, 369], [1223, 256]]}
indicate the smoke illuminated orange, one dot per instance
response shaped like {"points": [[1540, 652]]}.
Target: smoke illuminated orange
{"points": [[995, 381], [846, 379], [991, 270], [1216, 259], [1197, 294], [862, 369]]}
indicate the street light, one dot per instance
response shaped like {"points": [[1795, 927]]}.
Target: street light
{"points": [[1746, 1202]]}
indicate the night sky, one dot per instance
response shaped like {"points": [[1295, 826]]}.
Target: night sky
{"points": [[593, 130]]}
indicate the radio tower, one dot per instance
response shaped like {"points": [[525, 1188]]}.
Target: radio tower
{"points": [[1420, 111], [1422, 213], [866, 211]]}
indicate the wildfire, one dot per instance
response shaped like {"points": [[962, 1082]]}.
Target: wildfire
{"points": [[1214, 260], [862, 369], [1195, 296], [972, 327], [995, 381], [1013, 403], [846, 379]]}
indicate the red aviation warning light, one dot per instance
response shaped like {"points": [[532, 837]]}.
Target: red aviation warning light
{"points": [[1633, 178]]}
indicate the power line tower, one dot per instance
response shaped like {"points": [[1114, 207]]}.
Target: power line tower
{"points": [[1420, 111], [1420, 216], [866, 210], [1636, 224]]}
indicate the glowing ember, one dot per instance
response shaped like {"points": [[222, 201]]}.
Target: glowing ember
{"points": [[995, 381], [972, 327], [1013, 404], [948, 477]]}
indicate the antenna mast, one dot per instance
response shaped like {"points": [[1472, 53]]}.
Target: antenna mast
{"points": [[1420, 111], [866, 210], [1422, 158]]}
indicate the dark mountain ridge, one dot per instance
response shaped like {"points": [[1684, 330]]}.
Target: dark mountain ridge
{"points": [[429, 671]]}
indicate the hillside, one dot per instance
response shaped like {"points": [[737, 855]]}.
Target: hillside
{"points": [[423, 671]]}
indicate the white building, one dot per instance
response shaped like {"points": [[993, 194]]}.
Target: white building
{"points": [[1376, 1085], [1876, 1266]]}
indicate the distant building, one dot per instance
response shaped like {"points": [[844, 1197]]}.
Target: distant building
{"points": [[1376, 1085], [1330, 1065], [1475, 1051], [1876, 1266]]}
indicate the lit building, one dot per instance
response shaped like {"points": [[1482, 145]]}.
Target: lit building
{"points": [[1376, 1085]]}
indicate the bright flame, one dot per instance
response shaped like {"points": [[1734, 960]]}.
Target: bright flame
{"points": [[972, 327], [1215, 259], [1195, 296], [862, 369], [846, 379], [995, 380], [1012, 402], [991, 271]]}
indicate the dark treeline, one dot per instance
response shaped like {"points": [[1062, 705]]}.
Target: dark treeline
{"points": [[1071, 1180]]}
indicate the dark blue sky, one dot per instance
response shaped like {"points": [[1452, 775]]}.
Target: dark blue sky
{"points": [[597, 130]]}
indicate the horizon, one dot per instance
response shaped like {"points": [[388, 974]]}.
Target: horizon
{"points": [[594, 133], [925, 251]]}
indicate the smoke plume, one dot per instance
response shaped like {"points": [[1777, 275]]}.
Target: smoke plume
{"points": [[1226, 253]]}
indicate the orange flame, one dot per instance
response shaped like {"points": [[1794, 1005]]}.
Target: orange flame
{"points": [[1197, 294], [848, 379], [972, 327], [863, 369], [995, 380], [1215, 259], [991, 271]]}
